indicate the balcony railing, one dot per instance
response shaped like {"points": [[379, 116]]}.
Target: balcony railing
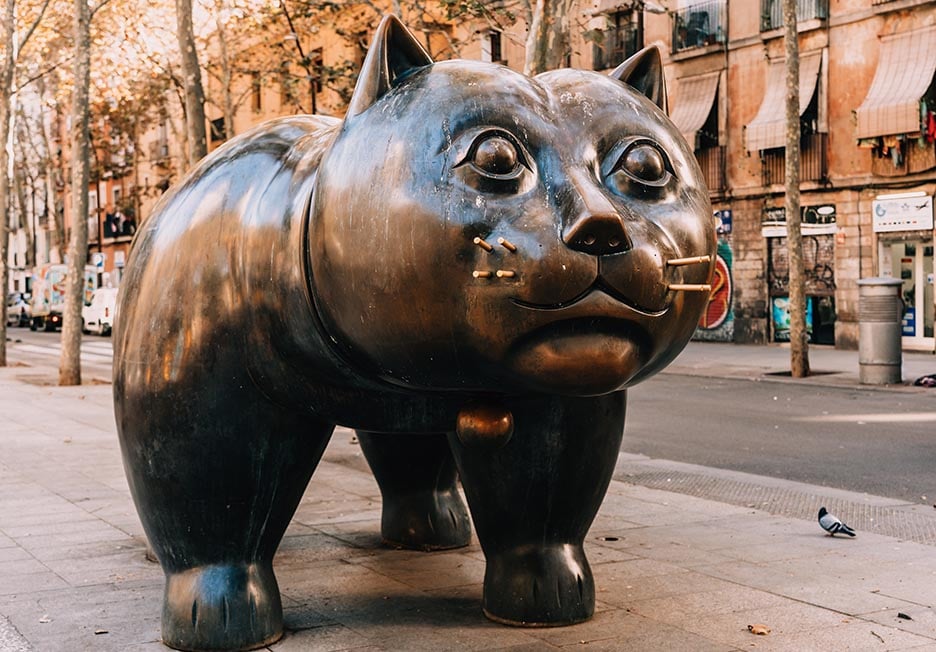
{"points": [[772, 12], [812, 161], [614, 45], [701, 24], [712, 162]]}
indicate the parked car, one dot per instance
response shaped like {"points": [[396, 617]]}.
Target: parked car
{"points": [[19, 311], [98, 315]]}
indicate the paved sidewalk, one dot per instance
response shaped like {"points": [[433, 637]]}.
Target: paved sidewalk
{"points": [[673, 571]]}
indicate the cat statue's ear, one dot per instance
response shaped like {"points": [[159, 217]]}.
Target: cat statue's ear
{"points": [[644, 71], [393, 53]]}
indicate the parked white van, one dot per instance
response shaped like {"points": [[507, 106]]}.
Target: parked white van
{"points": [[98, 316]]}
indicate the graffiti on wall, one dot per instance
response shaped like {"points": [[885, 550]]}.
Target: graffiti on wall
{"points": [[717, 322], [818, 265]]}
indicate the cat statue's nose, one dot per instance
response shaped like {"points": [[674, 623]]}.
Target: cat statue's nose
{"points": [[597, 234]]}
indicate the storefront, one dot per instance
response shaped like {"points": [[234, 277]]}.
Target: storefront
{"points": [[904, 227], [818, 228]]}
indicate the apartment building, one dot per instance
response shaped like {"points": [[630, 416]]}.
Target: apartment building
{"points": [[868, 158]]}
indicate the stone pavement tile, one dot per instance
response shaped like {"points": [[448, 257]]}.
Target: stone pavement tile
{"points": [[31, 582], [598, 553], [13, 553], [707, 603], [679, 553], [622, 588], [322, 638], [22, 567], [807, 585], [437, 570], [329, 580], [786, 617], [856, 635], [83, 551], [74, 525], [606, 625], [445, 619], [303, 549], [103, 534], [123, 566], [923, 620], [67, 619], [653, 638], [539, 646]]}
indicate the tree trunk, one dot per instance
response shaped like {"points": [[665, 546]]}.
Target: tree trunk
{"points": [[56, 221], [547, 44], [6, 85], [227, 75], [70, 364], [194, 92], [799, 343]]}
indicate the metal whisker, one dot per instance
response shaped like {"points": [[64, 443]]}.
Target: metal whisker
{"points": [[694, 260], [507, 244], [690, 287], [487, 246], [506, 273], [481, 274]]}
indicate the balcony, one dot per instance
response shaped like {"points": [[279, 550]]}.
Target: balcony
{"points": [[613, 45], [712, 162], [772, 12], [701, 24], [812, 161]]}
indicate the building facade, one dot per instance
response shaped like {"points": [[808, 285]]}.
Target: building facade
{"points": [[867, 154]]}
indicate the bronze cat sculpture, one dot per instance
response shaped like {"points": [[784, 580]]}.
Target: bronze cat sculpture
{"points": [[469, 270]]}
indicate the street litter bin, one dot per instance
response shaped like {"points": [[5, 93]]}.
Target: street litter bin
{"points": [[880, 310]]}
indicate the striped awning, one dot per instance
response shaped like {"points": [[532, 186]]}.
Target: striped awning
{"points": [[768, 128], [694, 99], [905, 70]]}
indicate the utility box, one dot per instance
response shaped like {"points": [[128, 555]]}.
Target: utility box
{"points": [[880, 310]]}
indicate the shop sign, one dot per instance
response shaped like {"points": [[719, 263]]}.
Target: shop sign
{"points": [[723, 221], [814, 220], [911, 211]]}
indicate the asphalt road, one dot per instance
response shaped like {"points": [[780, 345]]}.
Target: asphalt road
{"points": [[877, 442], [39, 353]]}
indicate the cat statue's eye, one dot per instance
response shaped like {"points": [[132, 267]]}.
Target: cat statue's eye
{"points": [[492, 161], [645, 162], [496, 155], [637, 166]]}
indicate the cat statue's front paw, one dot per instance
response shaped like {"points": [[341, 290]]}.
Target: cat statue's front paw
{"points": [[222, 607], [539, 586]]}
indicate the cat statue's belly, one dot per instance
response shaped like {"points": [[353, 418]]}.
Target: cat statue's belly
{"points": [[470, 283]]}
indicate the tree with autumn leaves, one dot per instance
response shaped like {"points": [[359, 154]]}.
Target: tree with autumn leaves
{"points": [[85, 80]]}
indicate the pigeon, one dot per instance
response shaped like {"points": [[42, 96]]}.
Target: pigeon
{"points": [[832, 524]]}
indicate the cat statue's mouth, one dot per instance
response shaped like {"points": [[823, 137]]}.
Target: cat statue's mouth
{"points": [[599, 285]]}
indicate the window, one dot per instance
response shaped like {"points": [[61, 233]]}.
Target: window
{"points": [[772, 12], [698, 25], [256, 98], [317, 59], [217, 130], [622, 38], [491, 47]]}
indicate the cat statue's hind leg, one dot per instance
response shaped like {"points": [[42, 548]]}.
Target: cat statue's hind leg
{"points": [[533, 500], [422, 509]]}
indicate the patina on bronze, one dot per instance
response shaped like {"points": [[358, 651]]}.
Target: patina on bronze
{"points": [[469, 269]]}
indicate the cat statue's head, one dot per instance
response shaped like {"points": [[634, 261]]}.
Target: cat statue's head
{"points": [[475, 229]]}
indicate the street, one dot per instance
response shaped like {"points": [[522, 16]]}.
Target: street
{"points": [[877, 442], [41, 352]]}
